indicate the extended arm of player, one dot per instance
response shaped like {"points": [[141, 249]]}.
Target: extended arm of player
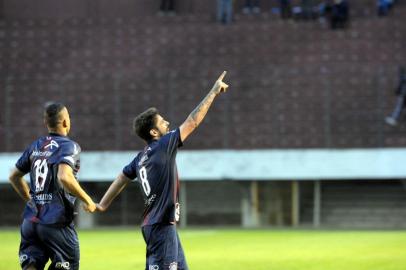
{"points": [[197, 115], [115, 188], [19, 184], [65, 175]]}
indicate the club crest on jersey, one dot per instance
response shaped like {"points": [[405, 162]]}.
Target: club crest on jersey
{"points": [[153, 267], [51, 144]]}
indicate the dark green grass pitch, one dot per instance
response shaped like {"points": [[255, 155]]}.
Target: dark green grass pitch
{"points": [[238, 249]]}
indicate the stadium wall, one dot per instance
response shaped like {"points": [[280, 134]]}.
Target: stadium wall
{"points": [[294, 84], [361, 188]]}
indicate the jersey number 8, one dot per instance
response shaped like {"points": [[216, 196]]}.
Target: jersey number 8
{"points": [[144, 181]]}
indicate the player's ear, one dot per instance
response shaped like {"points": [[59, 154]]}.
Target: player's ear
{"points": [[64, 123], [153, 132]]}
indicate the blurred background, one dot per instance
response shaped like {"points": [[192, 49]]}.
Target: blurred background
{"points": [[310, 133]]}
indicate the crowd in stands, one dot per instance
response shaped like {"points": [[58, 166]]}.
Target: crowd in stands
{"points": [[167, 7], [337, 12]]}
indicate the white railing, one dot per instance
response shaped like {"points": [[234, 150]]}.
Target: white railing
{"points": [[304, 164]]}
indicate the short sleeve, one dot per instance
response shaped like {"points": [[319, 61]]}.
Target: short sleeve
{"points": [[171, 141], [23, 163], [131, 169], [69, 154]]}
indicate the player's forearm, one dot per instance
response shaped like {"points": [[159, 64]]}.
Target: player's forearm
{"points": [[198, 114], [71, 185], [21, 187], [115, 188]]}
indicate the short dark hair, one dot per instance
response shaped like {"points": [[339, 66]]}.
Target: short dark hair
{"points": [[144, 122], [52, 113]]}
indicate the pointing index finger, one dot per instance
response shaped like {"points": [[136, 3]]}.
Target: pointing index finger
{"points": [[222, 76]]}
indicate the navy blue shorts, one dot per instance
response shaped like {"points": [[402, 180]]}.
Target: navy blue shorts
{"points": [[164, 250], [40, 243]]}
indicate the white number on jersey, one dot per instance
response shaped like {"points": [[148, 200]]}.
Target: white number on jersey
{"points": [[144, 181], [41, 172]]}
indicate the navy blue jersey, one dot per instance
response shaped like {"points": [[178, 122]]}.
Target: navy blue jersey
{"points": [[50, 203], [156, 172]]}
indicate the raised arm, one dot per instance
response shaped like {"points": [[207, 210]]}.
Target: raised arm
{"points": [[115, 188], [197, 115], [19, 184], [65, 175]]}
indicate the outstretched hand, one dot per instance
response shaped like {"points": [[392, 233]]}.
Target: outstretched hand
{"points": [[220, 86], [100, 208], [89, 207]]}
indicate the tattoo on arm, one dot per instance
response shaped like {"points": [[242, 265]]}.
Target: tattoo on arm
{"points": [[200, 111]]}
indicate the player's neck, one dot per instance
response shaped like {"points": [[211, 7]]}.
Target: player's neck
{"points": [[58, 131]]}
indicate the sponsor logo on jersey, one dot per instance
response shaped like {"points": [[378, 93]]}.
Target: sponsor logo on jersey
{"points": [[43, 198], [153, 267], [41, 153], [51, 144], [150, 200], [23, 258], [143, 159], [173, 266], [62, 265]]}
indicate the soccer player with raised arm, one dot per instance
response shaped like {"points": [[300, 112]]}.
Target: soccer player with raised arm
{"points": [[155, 169], [47, 231]]}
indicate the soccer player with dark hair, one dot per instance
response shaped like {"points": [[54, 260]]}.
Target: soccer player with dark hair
{"points": [[155, 169], [47, 231]]}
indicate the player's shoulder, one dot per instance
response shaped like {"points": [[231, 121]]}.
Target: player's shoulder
{"points": [[68, 145], [138, 156], [173, 132], [170, 134]]}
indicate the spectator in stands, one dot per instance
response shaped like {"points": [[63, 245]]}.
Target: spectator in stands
{"points": [[383, 7], [225, 11], [307, 9], [339, 14], [251, 7], [286, 11], [167, 7], [323, 9], [401, 101]]}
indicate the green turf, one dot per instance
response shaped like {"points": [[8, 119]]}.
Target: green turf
{"points": [[239, 249]]}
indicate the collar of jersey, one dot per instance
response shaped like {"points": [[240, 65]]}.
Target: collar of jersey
{"points": [[55, 134]]}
